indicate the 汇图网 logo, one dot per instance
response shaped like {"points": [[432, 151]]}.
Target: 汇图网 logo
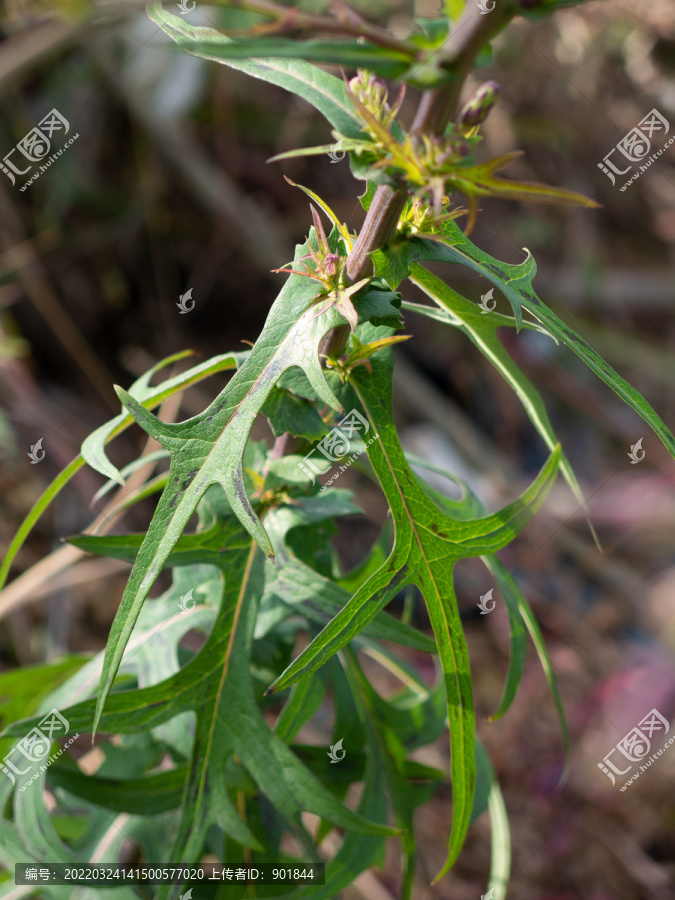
{"points": [[484, 601], [34, 147], [637, 454], [186, 304], [335, 751], [635, 746], [485, 305], [37, 454], [186, 602], [35, 745], [336, 443], [635, 147], [336, 152]]}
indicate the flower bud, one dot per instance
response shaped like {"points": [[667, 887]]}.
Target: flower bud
{"points": [[477, 107], [330, 264], [370, 91]]}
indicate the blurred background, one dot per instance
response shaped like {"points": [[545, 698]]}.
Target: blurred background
{"points": [[167, 188]]}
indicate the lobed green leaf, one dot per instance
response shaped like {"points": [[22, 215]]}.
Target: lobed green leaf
{"points": [[515, 281]]}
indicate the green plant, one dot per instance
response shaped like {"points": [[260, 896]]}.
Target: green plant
{"points": [[199, 769]]}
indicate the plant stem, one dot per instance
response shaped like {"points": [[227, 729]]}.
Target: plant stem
{"points": [[378, 229], [435, 110], [346, 21]]}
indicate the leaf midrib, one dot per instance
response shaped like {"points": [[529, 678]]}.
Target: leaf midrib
{"points": [[225, 670], [412, 524]]}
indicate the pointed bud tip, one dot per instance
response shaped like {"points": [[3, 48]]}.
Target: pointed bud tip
{"points": [[478, 106]]}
